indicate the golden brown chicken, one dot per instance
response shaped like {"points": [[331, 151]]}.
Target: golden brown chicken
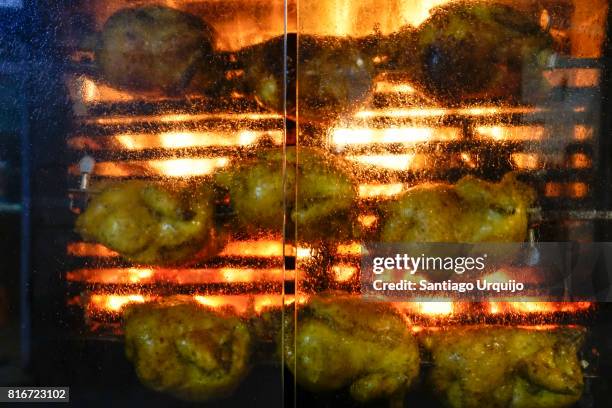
{"points": [[472, 210], [184, 348], [506, 367], [155, 48], [343, 341], [326, 193], [152, 223], [333, 78], [477, 51]]}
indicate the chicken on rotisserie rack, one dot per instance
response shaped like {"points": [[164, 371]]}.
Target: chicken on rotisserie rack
{"points": [[332, 76], [476, 51], [506, 367], [471, 210], [342, 341], [184, 348], [326, 193], [156, 48], [152, 223]]}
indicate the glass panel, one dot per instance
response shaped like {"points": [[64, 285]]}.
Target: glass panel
{"points": [[430, 122], [175, 170]]}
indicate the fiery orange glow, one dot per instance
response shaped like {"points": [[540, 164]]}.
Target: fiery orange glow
{"points": [[580, 161], [368, 220], [187, 167], [345, 17], [526, 161], [577, 190], [242, 304], [113, 303], [431, 309], [553, 189], [391, 87], [387, 161], [262, 248], [440, 112], [192, 167], [511, 133], [538, 307], [380, 190], [253, 248], [181, 117], [344, 272], [186, 276], [353, 248], [582, 132], [179, 140], [404, 135]]}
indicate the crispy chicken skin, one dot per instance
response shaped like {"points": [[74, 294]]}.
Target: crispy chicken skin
{"points": [[343, 341], [472, 210], [333, 78], [326, 192], [476, 50], [154, 48], [506, 367], [152, 223], [184, 348]]}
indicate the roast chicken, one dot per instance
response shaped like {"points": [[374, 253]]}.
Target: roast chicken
{"points": [[152, 223], [342, 341], [471, 210], [333, 78], [326, 193], [186, 349], [476, 51], [506, 367], [156, 48]]}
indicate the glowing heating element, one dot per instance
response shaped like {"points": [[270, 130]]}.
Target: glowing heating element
{"points": [[192, 167], [181, 117], [114, 303], [538, 307], [432, 309], [511, 133], [183, 139], [441, 112], [387, 161], [526, 161], [405, 135], [251, 248], [262, 248], [188, 276]]}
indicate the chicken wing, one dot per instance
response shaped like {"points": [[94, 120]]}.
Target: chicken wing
{"points": [[152, 223], [184, 348], [506, 367], [472, 210], [342, 341]]}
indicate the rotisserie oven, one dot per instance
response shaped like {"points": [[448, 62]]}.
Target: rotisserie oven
{"points": [[400, 203]]}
